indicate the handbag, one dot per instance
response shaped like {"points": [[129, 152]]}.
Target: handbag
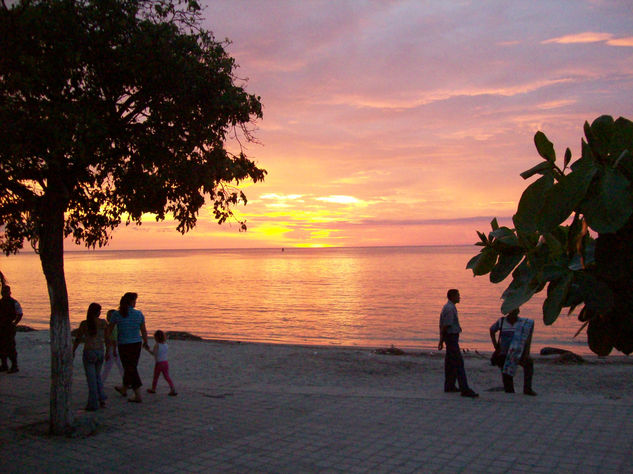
{"points": [[497, 358]]}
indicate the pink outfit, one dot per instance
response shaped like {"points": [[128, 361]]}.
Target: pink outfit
{"points": [[161, 366]]}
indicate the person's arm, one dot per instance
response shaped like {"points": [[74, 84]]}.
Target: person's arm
{"points": [[440, 346], [18, 313], [493, 332], [77, 340], [144, 335]]}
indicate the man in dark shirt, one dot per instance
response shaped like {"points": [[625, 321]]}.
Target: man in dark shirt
{"points": [[453, 361], [10, 316]]}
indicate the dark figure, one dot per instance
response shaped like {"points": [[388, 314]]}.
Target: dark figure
{"points": [[93, 333], [453, 362], [130, 324], [10, 316], [510, 330]]}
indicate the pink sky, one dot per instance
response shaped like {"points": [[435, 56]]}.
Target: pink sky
{"points": [[406, 122]]}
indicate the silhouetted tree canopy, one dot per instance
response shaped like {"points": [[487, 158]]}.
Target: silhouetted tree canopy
{"points": [[111, 109], [551, 244]]}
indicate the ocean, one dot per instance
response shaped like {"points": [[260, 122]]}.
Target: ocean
{"points": [[366, 297]]}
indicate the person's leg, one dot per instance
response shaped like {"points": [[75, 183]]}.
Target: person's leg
{"points": [[528, 373], [107, 365], [508, 383], [98, 365], [126, 361], [135, 379], [4, 342], [155, 379], [13, 353], [168, 378], [117, 361], [456, 361], [450, 369], [89, 360]]}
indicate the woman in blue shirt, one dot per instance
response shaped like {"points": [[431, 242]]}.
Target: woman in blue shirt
{"points": [[132, 336]]}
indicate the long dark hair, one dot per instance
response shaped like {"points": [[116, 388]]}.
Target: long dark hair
{"points": [[91, 318], [125, 303]]}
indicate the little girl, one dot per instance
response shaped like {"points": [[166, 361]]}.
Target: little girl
{"points": [[112, 354], [161, 366]]}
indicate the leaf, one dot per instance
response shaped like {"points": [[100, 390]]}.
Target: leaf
{"points": [[563, 197], [596, 294], [602, 130], [541, 168], [520, 290], [567, 157], [556, 296], [544, 147], [530, 204], [609, 202], [482, 263], [553, 271], [505, 236], [599, 337], [494, 224], [505, 265]]}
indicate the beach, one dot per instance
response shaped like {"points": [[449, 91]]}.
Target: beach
{"points": [[247, 407]]}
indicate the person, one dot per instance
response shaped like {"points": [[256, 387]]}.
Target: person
{"points": [[92, 332], [112, 354], [132, 335], [454, 369], [161, 365], [513, 346], [10, 316]]}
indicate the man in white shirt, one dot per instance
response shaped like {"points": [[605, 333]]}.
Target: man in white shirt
{"points": [[453, 362]]}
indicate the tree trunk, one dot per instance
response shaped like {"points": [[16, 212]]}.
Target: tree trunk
{"points": [[51, 247]]}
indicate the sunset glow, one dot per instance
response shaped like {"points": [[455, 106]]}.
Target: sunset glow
{"points": [[406, 122]]}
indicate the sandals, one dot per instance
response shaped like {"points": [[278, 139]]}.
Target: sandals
{"points": [[149, 390], [135, 400], [172, 393], [121, 390]]}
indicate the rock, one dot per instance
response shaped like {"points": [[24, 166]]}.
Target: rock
{"points": [[181, 336], [390, 351], [22, 328], [569, 358], [553, 351]]}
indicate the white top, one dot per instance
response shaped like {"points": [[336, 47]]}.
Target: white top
{"points": [[160, 352]]}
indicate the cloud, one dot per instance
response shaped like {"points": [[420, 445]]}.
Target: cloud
{"points": [[628, 41], [340, 199], [591, 37]]}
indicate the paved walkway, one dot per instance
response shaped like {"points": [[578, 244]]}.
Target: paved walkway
{"points": [[278, 428]]}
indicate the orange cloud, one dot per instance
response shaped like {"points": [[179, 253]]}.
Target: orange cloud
{"points": [[591, 37]]}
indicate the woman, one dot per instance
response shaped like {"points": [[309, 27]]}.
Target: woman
{"points": [[513, 348], [92, 332], [130, 324]]}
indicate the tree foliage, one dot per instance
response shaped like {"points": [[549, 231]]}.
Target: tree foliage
{"points": [[573, 236], [126, 110], [111, 109]]}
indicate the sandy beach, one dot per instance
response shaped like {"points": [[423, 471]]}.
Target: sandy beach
{"points": [[275, 408]]}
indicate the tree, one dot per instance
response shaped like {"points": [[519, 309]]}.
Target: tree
{"points": [[111, 109], [553, 243]]}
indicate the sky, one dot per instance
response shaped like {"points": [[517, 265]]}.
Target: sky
{"points": [[405, 122]]}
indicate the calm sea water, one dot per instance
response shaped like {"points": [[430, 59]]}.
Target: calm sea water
{"points": [[370, 297]]}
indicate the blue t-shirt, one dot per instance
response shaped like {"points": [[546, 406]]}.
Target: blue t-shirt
{"points": [[129, 328]]}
